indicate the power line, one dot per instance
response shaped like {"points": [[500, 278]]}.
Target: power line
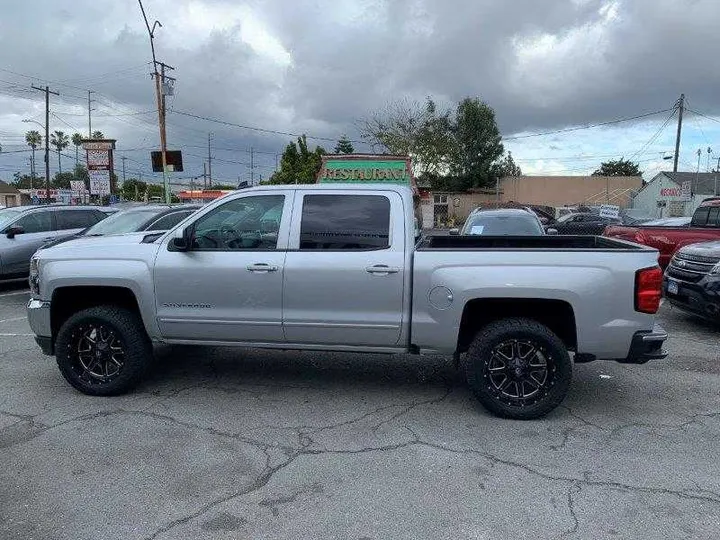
{"points": [[588, 126], [654, 137]]}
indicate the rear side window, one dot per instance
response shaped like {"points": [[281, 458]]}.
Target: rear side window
{"points": [[345, 222], [700, 216], [77, 219], [35, 222], [168, 222]]}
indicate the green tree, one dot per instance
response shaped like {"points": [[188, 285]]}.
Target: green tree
{"points": [[344, 146], [97, 135], [22, 181], [298, 165], [77, 140], [33, 140], [133, 189], [507, 167], [620, 167], [477, 143], [62, 180], [60, 141], [224, 187]]}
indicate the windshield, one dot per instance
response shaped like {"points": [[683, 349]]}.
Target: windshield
{"points": [[122, 222], [501, 225], [8, 215]]}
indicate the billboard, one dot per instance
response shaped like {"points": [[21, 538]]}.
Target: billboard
{"points": [[362, 169], [173, 160]]}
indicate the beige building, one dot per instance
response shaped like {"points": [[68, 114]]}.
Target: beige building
{"points": [[9, 196], [570, 190]]}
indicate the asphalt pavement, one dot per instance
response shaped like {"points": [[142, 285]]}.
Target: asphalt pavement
{"points": [[228, 444]]}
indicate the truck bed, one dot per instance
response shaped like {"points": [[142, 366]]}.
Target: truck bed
{"points": [[560, 243]]}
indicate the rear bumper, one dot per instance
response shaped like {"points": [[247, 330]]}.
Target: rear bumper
{"points": [[38, 313], [646, 345]]}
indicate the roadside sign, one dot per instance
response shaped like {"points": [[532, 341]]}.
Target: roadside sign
{"points": [[99, 182], [77, 186], [686, 191], [609, 211]]}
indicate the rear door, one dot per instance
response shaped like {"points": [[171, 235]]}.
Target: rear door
{"points": [[38, 228], [344, 271]]}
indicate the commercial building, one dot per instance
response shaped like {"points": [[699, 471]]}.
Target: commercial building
{"points": [[9, 195], [671, 194], [570, 190]]}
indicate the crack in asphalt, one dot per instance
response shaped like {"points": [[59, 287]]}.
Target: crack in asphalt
{"points": [[573, 489], [273, 504]]}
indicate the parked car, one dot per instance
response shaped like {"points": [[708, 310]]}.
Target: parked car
{"points": [[23, 229], [692, 280], [668, 222], [582, 223], [634, 216], [501, 222], [336, 268], [667, 239], [153, 218]]}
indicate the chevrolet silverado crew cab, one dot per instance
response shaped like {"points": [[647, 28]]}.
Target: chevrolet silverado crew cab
{"points": [[340, 268]]}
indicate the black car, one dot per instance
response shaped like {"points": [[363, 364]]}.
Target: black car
{"points": [[584, 223], [692, 280], [151, 218]]}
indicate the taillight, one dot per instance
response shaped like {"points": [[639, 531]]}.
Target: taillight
{"points": [[648, 289]]}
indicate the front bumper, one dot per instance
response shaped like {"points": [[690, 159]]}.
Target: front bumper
{"points": [[38, 313], [646, 345], [701, 298]]}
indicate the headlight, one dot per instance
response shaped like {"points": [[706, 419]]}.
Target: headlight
{"points": [[34, 279]]}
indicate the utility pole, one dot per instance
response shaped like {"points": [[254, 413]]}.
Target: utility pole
{"points": [[90, 92], [47, 137], [717, 170], [123, 161], [204, 175], [160, 100], [681, 107], [209, 161], [697, 173], [252, 166]]}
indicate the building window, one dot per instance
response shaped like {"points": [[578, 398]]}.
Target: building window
{"points": [[440, 199]]}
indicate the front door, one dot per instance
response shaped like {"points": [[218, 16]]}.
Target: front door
{"points": [[37, 229], [344, 276], [228, 287]]}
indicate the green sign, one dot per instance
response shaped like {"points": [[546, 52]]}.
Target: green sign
{"points": [[375, 171]]}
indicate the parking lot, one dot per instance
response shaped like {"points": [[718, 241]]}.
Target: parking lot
{"points": [[225, 444]]}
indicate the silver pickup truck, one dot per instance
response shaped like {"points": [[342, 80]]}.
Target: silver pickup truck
{"points": [[341, 268]]}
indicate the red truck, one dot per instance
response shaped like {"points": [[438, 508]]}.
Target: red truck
{"points": [[704, 227]]}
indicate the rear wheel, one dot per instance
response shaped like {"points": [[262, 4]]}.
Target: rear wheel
{"points": [[518, 369], [103, 351]]}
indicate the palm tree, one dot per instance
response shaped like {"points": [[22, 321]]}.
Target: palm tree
{"points": [[60, 141], [97, 135], [77, 140], [33, 139]]}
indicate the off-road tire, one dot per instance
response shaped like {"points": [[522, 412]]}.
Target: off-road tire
{"points": [[127, 332], [483, 357]]}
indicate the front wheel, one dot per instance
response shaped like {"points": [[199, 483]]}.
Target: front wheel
{"points": [[519, 369], [103, 351]]}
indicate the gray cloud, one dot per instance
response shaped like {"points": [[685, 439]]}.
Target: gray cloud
{"points": [[541, 65]]}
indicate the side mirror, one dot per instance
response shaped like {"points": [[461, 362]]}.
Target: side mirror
{"points": [[551, 231], [454, 232], [183, 239], [12, 231]]}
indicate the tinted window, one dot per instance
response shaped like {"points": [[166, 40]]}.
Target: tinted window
{"points": [[713, 219], [700, 216], [345, 222], [246, 223], [35, 222], [503, 225], [76, 219], [168, 222]]}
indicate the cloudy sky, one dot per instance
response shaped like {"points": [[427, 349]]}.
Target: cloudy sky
{"points": [[317, 66]]}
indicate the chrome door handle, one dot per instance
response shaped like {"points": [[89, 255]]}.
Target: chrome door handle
{"points": [[382, 269], [262, 267]]}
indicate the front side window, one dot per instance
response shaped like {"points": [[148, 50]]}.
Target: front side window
{"points": [[713, 219], [345, 222], [35, 222], [168, 222], [248, 223]]}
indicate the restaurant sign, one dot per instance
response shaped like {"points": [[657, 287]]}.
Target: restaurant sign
{"points": [[370, 171]]}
